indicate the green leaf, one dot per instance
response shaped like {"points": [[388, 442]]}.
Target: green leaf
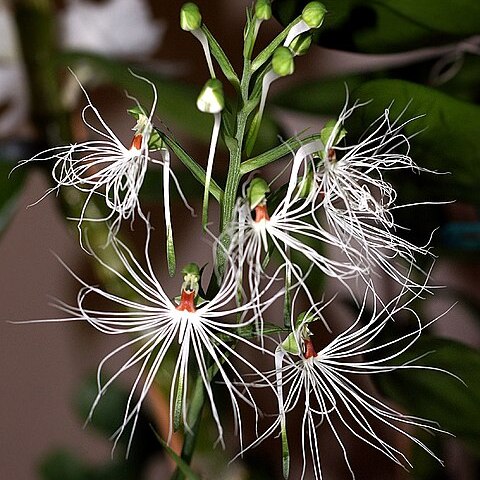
{"points": [[438, 396], [446, 136], [386, 26], [63, 465], [181, 464]]}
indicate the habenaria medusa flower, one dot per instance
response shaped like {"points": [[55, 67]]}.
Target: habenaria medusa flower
{"points": [[352, 200], [190, 330], [322, 384], [107, 167]]}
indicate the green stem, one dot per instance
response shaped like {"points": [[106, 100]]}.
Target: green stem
{"points": [[194, 420], [36, 30]]}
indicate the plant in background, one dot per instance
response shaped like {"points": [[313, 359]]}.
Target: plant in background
{"points": [[330, 212]]}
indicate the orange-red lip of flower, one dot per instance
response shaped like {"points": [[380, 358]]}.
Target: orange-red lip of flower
{"points": [[187, 301], [309, 349], [261, 213], [137, 142]]}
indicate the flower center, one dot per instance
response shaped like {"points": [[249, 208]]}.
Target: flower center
{"points": [[187, 301], [136, 142], [261, 213], [309, 349]]}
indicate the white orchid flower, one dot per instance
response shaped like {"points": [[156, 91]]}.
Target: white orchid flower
{"points": [[105, 167], [192, 331], [322, 384]]}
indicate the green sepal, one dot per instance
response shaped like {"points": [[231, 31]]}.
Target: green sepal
{"points": [[191, 277], [290, 344], [329, 129], [190, 17], [306, 184], [257, 192]]}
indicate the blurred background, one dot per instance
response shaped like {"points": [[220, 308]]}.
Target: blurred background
{"points": [[378, 52]]}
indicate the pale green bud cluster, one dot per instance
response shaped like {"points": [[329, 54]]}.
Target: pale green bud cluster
{"points": [[190, 17], [211, 99], [282, 62], [263, 10], [313, 14]]}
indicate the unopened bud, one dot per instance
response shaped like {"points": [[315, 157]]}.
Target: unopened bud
{"points": [[190, 17], [263, 10], [282, 62], [301, 44], [313, 14], [257, 192], [211, 98]]}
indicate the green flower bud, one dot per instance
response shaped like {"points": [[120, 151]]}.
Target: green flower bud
{"points": [[263, 10], [313, 14], [257, 192], [282, 62], [211, 98], [290, 345], [330, 129], [190, 17], [301, 44]]}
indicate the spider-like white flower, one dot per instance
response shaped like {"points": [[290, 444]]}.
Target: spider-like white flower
{"points": [[351, 198], [320, 383], [107, 167], [288, 227], [161, 332]]}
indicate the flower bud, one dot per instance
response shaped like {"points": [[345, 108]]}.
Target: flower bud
{"points": [[190, 17], [211, 98], [282, 62], [263, 10], [301, 44], [257, 192], [313, 14]]}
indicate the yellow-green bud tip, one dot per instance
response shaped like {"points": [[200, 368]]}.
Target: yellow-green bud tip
{"points": [[263, 10], [282, 62], [211, 98], [190, 17], [313, 14]]}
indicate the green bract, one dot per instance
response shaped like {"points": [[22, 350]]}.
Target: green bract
{"points": [[282, 61], [190, 17], [290, 345], [211, 99], [313, 14], [257, 192]]}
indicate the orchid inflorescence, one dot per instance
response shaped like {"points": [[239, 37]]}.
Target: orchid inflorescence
{"points": [[330, 211]]}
